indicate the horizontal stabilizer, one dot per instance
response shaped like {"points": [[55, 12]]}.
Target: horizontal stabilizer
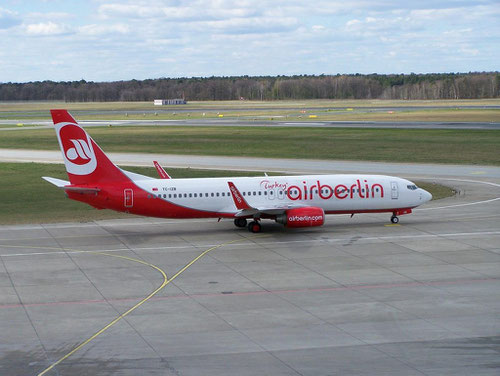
{"points": [[63, 184], [57, 182]]}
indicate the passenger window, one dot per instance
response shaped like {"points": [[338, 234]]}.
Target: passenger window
{"points": [[260, 193], [190, 195], [265, 193], [212, 194], [217, 194]]}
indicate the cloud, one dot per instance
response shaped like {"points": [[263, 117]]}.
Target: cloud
{"points": [[201, 10], [47, 29], [96, 30], [8, 19], [257, 25], [155, 38], [49, 16], [128, 10]]}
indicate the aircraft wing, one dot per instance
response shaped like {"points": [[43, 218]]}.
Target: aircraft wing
{"points": [[246, 210]]}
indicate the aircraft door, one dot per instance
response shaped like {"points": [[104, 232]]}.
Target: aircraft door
{"points": [[394, 190], [128, 198]]}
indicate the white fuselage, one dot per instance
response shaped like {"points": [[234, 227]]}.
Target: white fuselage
{"points": [[332, 193]]}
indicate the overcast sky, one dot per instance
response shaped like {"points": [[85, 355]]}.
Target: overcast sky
{"points": [[121, 40]]}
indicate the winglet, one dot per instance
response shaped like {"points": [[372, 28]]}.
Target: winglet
{"points": [[163, 174], [239, 201]]}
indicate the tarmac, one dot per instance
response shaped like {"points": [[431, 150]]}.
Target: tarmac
{"points": [[283, 165], [358, 296], [261, 121]]}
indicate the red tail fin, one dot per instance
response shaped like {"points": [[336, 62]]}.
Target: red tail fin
{"points": [[85, 162]]}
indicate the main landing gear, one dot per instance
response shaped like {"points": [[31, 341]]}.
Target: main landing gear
{"points": [[240, 222], [254, 226], [394, 219]]}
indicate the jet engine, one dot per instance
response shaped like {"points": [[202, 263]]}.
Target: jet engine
{"points": [[302, 217]]}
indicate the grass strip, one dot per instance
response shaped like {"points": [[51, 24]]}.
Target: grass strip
{"points": [[465, 146]]}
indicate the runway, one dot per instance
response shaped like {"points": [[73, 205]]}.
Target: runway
{"points": [[260, 122], [358, 296]]}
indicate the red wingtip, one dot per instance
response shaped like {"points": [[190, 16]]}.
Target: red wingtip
{"points": [[62, 116]]}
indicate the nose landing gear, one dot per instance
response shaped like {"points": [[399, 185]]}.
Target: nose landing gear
{"points": [[394, 219]]}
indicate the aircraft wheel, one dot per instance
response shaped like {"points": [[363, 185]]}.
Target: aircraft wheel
{"points": [[254, 227], [394, 219], [240, 222]]}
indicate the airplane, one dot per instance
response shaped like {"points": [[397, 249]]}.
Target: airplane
{"points": [[294, 201]]}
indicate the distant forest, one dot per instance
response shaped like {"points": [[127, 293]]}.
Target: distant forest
{"points": [[353, 86]]}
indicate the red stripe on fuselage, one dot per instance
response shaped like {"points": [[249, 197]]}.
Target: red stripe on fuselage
{"points": [[112, 197], [367, 211]]}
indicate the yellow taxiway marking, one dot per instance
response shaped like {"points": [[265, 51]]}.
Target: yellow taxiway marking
{"points": [[165, 282], [393, 225]]}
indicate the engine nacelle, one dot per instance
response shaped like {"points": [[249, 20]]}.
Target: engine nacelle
{"points": [[302, 217]]}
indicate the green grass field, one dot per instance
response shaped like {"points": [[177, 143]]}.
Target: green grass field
{"points": [[323, 110], [310, 103], [311, 115], [27, 198], [391, 145]]}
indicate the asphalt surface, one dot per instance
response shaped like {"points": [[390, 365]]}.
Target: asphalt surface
{"points": [[262, 123], [265, 164], [358, 296]]}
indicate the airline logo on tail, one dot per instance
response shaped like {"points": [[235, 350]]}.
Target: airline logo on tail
{"points": [[79, 156]]}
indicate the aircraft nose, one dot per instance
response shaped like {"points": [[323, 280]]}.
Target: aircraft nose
{"points": [[426, 196]]}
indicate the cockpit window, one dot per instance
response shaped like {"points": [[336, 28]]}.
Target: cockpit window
{"points": [[412, 187]]}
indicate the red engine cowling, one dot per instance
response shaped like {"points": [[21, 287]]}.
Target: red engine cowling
{"points": [[302, 217]]}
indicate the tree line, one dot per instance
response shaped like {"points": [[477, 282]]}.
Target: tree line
{"points": [[352, 86]]}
